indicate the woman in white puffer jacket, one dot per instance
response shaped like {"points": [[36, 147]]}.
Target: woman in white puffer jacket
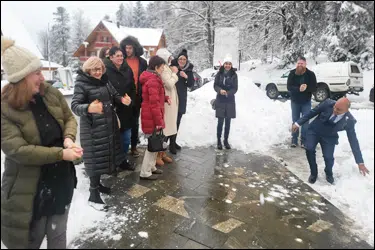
{"points": [[169, 77]]}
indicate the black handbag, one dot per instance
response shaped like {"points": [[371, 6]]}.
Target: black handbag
{"points": [[156, 141]]}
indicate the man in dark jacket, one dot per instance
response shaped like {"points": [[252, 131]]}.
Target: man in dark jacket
{"points": [[332, 117], [301, 84], [185, 80], [133, 50]]}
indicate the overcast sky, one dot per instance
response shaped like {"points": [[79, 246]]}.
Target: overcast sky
{"points": [[35, 15]]}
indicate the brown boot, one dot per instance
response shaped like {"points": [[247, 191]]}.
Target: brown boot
{"points": [[159, 160], [166, 158]]}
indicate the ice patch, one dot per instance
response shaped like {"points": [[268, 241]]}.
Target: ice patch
{"points": [[117, 237], [143, 234], [261, 198]]}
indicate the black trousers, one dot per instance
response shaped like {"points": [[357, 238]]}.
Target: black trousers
{"points": [[220, 123], [94, 181], [135, 127], [179, 117]]}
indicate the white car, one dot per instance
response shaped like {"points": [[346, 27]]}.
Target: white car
{"points": [[335, 79]]}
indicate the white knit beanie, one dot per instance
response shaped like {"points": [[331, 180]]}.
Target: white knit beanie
{"points": [[164, 53], [18, 62], [228, 58]]}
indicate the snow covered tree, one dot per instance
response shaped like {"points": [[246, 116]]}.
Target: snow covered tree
{"points": [[124, 15], [43, 43], [81, 29], [139, 15], [350, 33], [120, 14], [60, 37], [107, 18]]}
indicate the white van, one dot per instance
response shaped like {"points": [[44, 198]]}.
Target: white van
{"points": [[335, 79]]}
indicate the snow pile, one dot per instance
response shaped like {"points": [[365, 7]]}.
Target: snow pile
{"points": [[260, 121]]}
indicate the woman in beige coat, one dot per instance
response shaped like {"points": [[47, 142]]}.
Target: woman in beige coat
{"points": [[169, 77]]}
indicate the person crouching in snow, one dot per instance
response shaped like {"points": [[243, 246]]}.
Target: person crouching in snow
{"points": [[170, 78], [152, 111], [226, 85]]}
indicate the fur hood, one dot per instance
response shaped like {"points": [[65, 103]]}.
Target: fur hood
{"points": [[131, 40]]}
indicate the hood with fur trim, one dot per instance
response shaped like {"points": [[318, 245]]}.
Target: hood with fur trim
{"points": [[131, 40]]}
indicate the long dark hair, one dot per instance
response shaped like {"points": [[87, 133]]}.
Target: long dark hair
{"points": [[102, 53]]}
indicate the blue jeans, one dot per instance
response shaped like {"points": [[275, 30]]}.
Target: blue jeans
{"points": [[297, 110], [328, 148], [126, 136]]}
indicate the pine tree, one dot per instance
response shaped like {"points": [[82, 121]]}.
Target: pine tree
{"points": [[60, 37], [81, 29], [139, 15], [120, 14]]}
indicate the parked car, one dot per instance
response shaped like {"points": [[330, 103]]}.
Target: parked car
{"points": [[198, 82], [335, 79], [372, 94], [278, 87]]}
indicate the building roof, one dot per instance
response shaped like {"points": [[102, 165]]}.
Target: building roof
{"points": [[146, 36], [12, 27]]}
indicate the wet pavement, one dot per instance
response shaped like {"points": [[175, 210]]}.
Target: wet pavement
{"points": [[218, 199]]}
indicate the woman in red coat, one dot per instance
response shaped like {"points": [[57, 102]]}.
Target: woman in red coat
{"points": [[152, 112]]}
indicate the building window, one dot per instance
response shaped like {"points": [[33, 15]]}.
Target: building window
{"points": [[105, 39], [92, 53]]}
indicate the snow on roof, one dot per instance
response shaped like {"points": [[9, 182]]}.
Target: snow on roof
{"points": [[13, 28], [53, 65], [146, 36]]}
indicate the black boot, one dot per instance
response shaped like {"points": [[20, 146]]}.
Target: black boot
{"points": [[226, 144], [104, 190], [330, 179], [95, 196], [219, 145], [312, 179], [127, 165], [172, 145]]}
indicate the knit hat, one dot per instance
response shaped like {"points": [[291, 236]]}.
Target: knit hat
{"points": [[183, 53], [18, 62], [228, 58], [163, 53]]}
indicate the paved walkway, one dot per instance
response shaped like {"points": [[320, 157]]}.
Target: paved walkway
{"points": [[210, 199]]}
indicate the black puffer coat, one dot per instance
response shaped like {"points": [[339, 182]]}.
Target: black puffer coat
{"points": [[122, 80], [226, 105], [100, 135], [182, 84]]}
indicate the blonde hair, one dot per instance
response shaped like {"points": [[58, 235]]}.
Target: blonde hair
{"points": [[92, 63], [18, 95]]}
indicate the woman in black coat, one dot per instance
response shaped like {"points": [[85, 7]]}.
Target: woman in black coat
{"points": [[93, 100], [226, 85], [185, 80], [121, 77]]}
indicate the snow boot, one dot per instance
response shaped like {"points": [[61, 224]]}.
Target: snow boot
{"points": [[219, 145], [159, 160], [166, 158], [226, 144]]}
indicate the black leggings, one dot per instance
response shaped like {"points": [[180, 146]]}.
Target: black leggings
{"points": [[179, 117], [220, 123]]}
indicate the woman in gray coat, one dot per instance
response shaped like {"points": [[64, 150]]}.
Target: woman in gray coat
{"points": [[226, 85]]}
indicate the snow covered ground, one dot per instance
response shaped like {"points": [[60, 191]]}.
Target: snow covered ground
{"points": [[261, 123]]}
